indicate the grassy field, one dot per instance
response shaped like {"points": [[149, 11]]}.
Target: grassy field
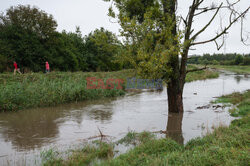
{"points": [[236, 69], [24, 91], [224, 146], [37, 89]]}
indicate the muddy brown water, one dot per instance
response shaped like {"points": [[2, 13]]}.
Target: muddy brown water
{"points": [[25, 134]]}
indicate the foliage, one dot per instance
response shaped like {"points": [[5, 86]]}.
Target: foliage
{"points": [[150, 43], [221, 59], [101, 48], [28, 36], [24, 33]]}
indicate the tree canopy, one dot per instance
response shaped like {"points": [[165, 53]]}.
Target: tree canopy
{"points": [[28, 36], [158, 46]]}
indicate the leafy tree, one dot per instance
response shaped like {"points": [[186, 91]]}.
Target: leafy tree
{"points": [[246, 61], [101, 48], [25, 30], [30, 19], [3, 62], [154, 42], [238, 60]]}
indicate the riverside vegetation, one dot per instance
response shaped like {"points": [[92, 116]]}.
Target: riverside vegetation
{"points": [[235, 69], [38, 90], [224, 146]]}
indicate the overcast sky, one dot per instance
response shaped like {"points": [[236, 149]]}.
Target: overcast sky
{"points": [[92, 14]]}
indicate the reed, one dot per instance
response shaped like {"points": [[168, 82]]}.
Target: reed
{"points": [[36, 89]]}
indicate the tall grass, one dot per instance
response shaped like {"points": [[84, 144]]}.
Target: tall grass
{"points": [[37, 89]]}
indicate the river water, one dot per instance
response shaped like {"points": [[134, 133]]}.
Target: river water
{"points": [[25, 134]]}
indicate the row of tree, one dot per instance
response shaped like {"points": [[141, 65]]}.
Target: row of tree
{"points": [[220, 59], [28, 36]]}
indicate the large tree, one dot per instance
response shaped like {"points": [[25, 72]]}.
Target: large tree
{"points": [[24, 35], [101, 48], [157, 45]]}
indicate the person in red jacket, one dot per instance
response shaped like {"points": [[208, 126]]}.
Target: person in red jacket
{"points": [[16, 69], [47, 67]]}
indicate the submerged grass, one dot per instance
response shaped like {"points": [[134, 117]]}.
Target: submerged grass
{"points": [[240, 100], [133, 138], [224, 146], [85, 156]]}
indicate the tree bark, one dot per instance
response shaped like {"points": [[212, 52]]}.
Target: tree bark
{"points": [[175, 100]]}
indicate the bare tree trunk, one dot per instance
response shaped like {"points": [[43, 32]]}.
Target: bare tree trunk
{"points": [[175, 100]]}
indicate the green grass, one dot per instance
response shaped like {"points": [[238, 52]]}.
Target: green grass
{"points": [[38, 90], [236, 69], [133, 138], [85, 156], [240, 100], [224, 146], [200, 75]]}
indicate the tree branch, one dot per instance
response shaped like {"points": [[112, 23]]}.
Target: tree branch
{"points": [[225, 29], [205, 27]]}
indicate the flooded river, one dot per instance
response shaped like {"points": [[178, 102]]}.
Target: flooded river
{"points": [[24, 134]]}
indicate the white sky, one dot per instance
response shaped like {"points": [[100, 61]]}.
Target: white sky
{"points": [[92, 14]]}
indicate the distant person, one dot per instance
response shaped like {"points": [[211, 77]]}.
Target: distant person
{"points": [[47, 67], [16, 69]]}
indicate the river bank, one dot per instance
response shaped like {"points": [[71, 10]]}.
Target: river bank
{"points": [[236, 69], [223, 146], [42, 90]]}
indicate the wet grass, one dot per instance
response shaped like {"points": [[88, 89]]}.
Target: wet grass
{"points": [[133, 138], [86, 156], [38, 90], [224, 146], [241, 102], [236, 69], [200, 75]]}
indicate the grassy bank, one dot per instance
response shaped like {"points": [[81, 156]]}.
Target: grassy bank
{"points": [[200, 75], [240, 101], [237, 69], [39, 90], [224, 146]]}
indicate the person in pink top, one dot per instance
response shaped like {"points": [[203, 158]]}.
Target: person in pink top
{"points": [[47, 67], [16, 68]]}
